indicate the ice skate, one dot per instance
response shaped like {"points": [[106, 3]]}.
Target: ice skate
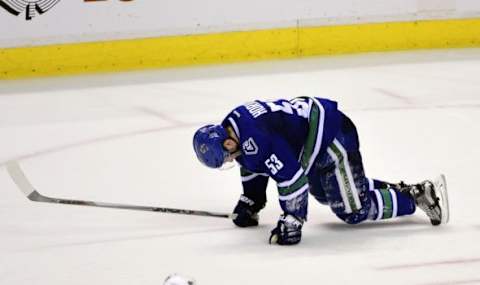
{"points": [[431, 197]]}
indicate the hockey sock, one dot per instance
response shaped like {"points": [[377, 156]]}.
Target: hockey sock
{"points": [[388, 202]]}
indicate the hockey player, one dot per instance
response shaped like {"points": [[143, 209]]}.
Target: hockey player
{"points": [[307, 146]]}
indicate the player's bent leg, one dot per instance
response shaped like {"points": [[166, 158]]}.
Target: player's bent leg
{"points": [[355, 198], [342, 176], [345, 184]]}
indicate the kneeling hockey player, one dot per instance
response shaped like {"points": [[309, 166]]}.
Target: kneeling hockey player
{"points": [[307, 146]]}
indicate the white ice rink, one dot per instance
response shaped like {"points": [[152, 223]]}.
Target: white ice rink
{"points": [[127, 138]]}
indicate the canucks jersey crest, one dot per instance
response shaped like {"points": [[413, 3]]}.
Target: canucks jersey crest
{"points": [[250, 147]]}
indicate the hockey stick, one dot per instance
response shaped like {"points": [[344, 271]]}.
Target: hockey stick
{"points": [[26, 187]]}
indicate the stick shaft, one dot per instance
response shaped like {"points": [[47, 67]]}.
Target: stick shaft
{"points": [[26, 187], [37, 197]]}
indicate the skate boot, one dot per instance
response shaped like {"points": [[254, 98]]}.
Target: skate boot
{"points": [[431, 197]]}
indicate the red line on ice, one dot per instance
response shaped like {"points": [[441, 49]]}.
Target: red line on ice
{"points": [[427, 264], [98, 140], [394, 95], [457, 282]]}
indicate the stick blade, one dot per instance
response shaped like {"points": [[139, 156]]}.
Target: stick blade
{"points": [[18, 176]]}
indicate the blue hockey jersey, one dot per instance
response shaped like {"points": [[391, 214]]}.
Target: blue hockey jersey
{"points": [[282, 139]]}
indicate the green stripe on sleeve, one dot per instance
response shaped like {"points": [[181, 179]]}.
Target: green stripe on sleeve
{"points": [[301, 181]]}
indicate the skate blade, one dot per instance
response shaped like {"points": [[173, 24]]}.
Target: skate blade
{"points": [[441, 187]]}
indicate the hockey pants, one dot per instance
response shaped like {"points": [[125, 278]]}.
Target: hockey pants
{"points": [[338, 179]]}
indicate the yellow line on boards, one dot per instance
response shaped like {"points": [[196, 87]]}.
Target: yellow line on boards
{"points": [[172, 51]]}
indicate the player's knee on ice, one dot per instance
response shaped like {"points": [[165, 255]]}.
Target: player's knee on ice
{"points": [[343, 186], [355, 218], [357, 212]]}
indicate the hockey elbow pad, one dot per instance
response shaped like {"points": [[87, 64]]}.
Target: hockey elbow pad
{"points": [[246, 216]]}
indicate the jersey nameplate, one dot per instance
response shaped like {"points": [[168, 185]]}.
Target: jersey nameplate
{"points": [[250, 147], [255, 109]]}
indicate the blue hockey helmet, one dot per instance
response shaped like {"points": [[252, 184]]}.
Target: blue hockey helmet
{"points": [[208, 145]]}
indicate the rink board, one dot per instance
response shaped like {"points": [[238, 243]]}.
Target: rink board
{"points": [[227, 47]]}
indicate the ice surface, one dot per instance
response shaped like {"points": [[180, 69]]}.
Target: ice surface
{"points": [[127, 138]]}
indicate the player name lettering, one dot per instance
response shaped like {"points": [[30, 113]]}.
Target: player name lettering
{"points": [[255, 109]]}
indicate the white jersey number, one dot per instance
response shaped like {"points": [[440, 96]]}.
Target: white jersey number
{"points": [[274, 164], [298, 105]]}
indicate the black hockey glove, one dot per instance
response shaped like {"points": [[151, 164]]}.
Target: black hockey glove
{"points": [[246, 212], [288, 230]]}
